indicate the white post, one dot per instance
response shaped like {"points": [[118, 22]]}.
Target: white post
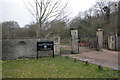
{"points": [[111, 42], [99, 34], [116, 41], [56, 45], [74, 41]]}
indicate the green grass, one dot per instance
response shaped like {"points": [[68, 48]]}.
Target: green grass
{"points": [[115, 50], [0, 69], [58, 67]]}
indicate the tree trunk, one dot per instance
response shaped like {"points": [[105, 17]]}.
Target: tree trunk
{"points": [[38, 29]]}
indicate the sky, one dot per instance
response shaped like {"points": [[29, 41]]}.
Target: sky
{"points": [[15, 10]]}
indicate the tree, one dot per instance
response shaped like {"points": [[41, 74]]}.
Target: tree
{"points": [[31, 30], [8, 29], [105, 8], [0, 31], [45, 10], [57, 27], [118, 25], [107, 13]]}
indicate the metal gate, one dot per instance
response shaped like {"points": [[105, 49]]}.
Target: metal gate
{"points": [[87, 44], [65, 46]]}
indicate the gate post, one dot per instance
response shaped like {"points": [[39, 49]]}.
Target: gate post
{"points": [[56, 45], [99, 34], [111, 42], [74, 41]]}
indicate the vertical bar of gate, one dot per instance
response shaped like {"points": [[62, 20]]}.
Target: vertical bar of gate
{"points": [[53, 49], [37, 51], [37, 54]]}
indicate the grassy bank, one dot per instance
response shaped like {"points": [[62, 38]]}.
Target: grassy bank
{"points": [[0, 69], [59, 67]]}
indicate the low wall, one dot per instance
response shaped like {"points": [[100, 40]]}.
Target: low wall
{"points": [[19, 48]]}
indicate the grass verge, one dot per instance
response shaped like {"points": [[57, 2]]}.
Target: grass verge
{"points": [[58, 67]]}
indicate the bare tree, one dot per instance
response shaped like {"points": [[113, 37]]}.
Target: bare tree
{"points": [[44, 10], [105, 8]]}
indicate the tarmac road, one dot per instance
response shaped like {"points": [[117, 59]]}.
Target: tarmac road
{"points": [[104, 58]]}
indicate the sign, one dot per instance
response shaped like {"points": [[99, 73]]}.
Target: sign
{"points": [[45, 46]]}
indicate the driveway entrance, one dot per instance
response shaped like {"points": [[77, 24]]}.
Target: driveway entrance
{"points": [[104, 58]]}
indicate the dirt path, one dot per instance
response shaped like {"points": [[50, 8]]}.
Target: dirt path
{"points": [[104, 58]]}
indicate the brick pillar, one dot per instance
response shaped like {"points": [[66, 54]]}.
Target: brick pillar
{"points": [[74, 41], [99, 34]]}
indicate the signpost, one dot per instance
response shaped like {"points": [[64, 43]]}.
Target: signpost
{"points": [[45, 46]]}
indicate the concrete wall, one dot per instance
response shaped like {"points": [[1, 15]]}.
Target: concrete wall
{"points": [[18, 48]]}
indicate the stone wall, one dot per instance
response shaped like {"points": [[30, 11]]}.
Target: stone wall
{"points": [[18, 48]]}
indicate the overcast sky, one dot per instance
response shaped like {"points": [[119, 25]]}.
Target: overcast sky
{"points": [[16, 10]]}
